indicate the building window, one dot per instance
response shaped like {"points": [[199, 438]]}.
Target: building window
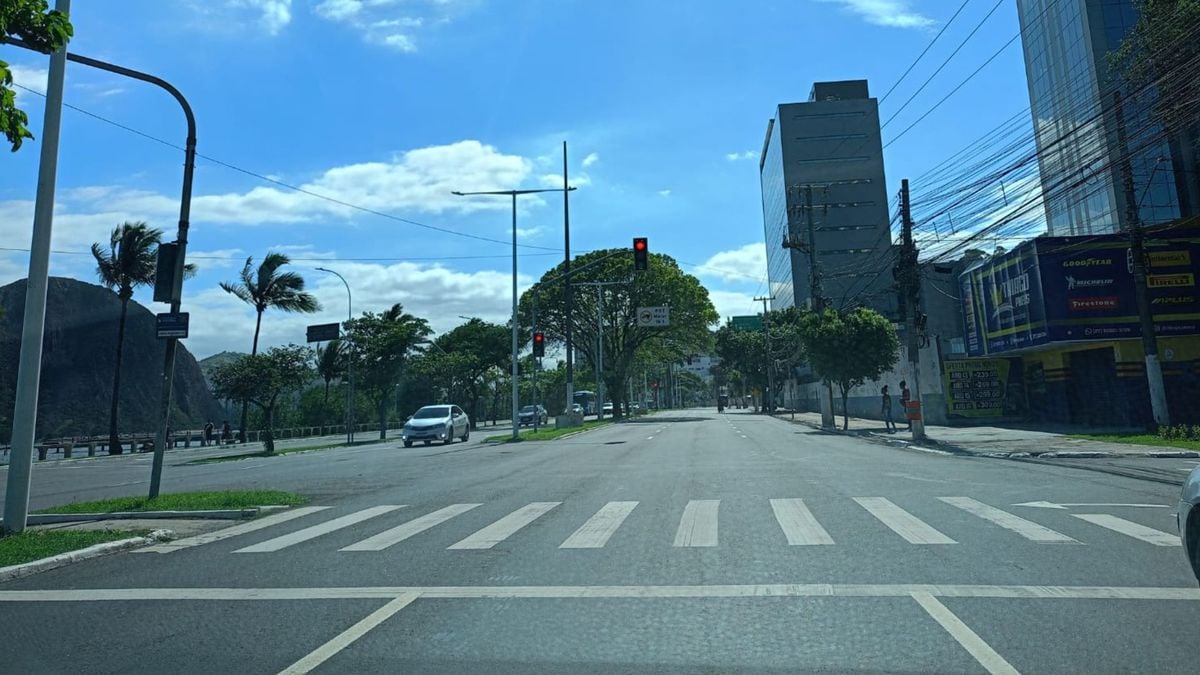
{"points": [[831, 115], [824, 160], [832, 137]]}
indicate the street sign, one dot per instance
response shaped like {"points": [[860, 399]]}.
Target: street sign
{"points": [[168, 325], [322, 332], [752, 322], [653, 317]]}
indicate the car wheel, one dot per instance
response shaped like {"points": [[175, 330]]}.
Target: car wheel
{"points": [[466, 434], [1194, 542], [408, 444], [449, 437]]}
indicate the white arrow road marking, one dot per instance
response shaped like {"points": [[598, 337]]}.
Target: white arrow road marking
{"points": [[1146, 534], [1052, 505]]}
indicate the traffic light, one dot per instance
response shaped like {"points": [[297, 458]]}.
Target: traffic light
{"points": [[539, 344], [641, 253]]}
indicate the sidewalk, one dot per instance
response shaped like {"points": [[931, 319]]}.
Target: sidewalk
{"points": [[988, 441]]}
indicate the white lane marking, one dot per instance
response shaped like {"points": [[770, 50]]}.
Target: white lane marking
{"points": [[345, 638], [1128, 528], [505, 527], [698, 525], [1026, 528], [913, 529], [649, 438], [962, 633], [1151, 593], [319, 529], [208, 538], [798, 523], [411, 528], [597, 530]]}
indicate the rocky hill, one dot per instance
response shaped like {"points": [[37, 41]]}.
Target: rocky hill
{"points": [[78, 356]]}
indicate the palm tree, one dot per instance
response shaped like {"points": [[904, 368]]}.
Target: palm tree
{"points": [[330, 364], [128, 262], [267, 288]]}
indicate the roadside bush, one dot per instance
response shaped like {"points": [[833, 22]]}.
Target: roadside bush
{"points": [[1180, 432]]}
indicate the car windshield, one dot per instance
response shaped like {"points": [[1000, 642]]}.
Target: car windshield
{"points": [[529, 409], [432, 412]]}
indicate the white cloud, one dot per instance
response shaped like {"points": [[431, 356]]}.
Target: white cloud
{"points": [[388, 22], [273, 15], [735, 156], [892, 13], [554, 180], [591, 159], [526, 232], [436, 293], [731, 303], [747, 264], [664, 193], [33, 77]]}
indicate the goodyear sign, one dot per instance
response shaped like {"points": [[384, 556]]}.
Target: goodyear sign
{"points": [[1067, 289]]}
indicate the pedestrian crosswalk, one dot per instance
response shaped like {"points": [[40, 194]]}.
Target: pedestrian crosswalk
{"points": [[478, 526]]}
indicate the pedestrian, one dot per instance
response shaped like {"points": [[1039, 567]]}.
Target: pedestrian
{"points": [[888, 424], [905, 397], [226, 432], [207, 439]]}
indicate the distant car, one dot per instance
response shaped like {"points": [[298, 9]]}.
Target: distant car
{"points": [[1188, 519], [577, 409], [436, 423], [531, 414], [608, 408]]}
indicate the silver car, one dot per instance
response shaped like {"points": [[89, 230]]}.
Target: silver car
{"points": [[436, 423], [1188, 519]]}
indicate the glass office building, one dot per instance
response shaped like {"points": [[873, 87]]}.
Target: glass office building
{"points": [[822, 161], [1066, 45]]}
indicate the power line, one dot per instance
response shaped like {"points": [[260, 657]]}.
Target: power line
{"points": [[924, 51], [294, 188], [217, 257]]}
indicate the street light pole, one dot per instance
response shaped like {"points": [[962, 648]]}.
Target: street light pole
{"points": [[349, 360], [516, 395], [567, 286]]}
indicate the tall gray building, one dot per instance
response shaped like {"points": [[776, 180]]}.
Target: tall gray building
{"points": [[821, 171], [1066, 44]]}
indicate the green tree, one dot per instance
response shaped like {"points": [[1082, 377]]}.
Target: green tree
{"points": [[1162, 50], [331, 364], [746, 350], [383, 345], [262, 378], [849, 349], [663, 283], [127, 262], [468, 352], [268, 288], [46, 31]]}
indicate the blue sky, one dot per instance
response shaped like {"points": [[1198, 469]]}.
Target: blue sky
{"points": [[390, 104]]}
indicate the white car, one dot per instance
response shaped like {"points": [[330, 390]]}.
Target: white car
{"points": [[608, 408], [1188, 519], [436, 423]]}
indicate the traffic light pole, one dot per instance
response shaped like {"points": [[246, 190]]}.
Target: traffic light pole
{"points": [[769, 399]]}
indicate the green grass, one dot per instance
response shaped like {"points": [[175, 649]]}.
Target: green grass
{"points": [[548, 434], [1141, 439], [184, 501], [33, 545]]}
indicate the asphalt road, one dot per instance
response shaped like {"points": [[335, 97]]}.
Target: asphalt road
{"points": [[680, 542]]}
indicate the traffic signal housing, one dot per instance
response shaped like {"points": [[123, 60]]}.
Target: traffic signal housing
{"points": [[539, 344], [641, 253]]}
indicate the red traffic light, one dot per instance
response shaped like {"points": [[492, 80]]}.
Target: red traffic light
{"points": [[641, 253], [539, 344], [538, 337], [639, 244]]}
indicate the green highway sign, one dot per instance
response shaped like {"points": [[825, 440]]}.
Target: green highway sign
{"points": [[752, 322]]}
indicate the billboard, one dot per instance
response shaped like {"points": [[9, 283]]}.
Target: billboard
{"points": [[983, 388], [1067, 289]]}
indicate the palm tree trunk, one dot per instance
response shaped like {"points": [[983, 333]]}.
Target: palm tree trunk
{"points": [[114, 441], [253, 351], [325, 407]]}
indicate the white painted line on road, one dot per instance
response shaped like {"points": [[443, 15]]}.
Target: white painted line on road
{"points": [[345, 638], [1128, 528], [319, 529], [962, 633], [505, 527], [1026, 528], [798, 523], [1149, 593], [698, 525], [209, 537], [411, 528], [649, 438], [597, 530], [913, 529]]}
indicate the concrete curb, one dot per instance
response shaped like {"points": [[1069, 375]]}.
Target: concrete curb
{"points": [[222, 514], [63, 559]]}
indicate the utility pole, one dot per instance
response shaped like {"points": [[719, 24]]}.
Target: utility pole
{"points": [[29, 370], [816, 302], [910, 282], [567, 285], [770, 398], [1137, 253]]}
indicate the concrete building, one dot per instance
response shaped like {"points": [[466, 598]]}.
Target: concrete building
{"points": [[821, 172], [1066, 45]]}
